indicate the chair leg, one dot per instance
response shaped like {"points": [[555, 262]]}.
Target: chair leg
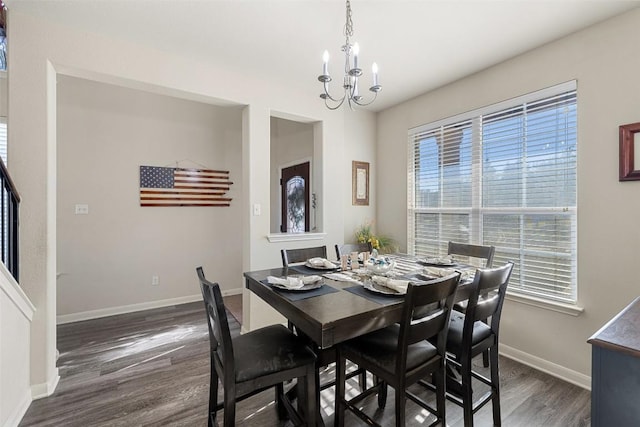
{"points": [[229, 409], [485, 358], [362, 380], [280, 406], [441, 400], [495, 381], [467, 392], [382, 393], [213, 395], [339, 399], [401, 401]]}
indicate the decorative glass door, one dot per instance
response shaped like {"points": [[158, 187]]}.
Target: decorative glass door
{"points": [[295, 198]]}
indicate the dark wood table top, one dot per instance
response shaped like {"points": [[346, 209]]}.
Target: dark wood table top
{"points": [[622, 333], [333, 317]]}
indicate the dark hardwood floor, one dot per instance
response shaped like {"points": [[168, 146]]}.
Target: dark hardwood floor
{"points": [[151, 368]]}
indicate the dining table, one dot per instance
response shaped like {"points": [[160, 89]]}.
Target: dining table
{"points": [[342, 309]]}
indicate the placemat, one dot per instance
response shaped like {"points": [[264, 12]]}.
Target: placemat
{"points": [[377, 298], [303, 269], [297, 296]]}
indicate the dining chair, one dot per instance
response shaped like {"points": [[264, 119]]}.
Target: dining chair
{"points": [[469, 336], [255, 361], [326, 356], [480, 253], [294, 256], [347, 248], [400, 355]]}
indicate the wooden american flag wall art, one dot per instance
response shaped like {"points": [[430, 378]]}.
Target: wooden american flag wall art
{"points": [[165, 186]]}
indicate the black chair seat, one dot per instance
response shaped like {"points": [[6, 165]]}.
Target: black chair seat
{"points": [[268, 350], [380, 349], [481, 331]]}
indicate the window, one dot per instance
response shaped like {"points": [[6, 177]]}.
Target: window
{"points": [[504, 175]]}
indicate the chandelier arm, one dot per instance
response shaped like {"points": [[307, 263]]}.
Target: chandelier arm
{"points": [[326, 91], [326, 103], [364, 104]]}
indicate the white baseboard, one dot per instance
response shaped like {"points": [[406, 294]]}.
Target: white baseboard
{"points": [[38, 391], [237, 291], [558, 371], [112, 311], [18, 413]]}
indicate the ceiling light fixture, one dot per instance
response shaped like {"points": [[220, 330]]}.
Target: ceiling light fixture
{"points": [[351, 73]]}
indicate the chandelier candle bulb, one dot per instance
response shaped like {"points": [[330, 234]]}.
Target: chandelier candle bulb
{"points": [[325, 63], [356, 52], [374, 70]]}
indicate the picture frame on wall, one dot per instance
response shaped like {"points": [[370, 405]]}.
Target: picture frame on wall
{"points": [[360, 183], [630, 152]]}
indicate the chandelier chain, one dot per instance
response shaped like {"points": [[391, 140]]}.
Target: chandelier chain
{"points": [[348, 26]]}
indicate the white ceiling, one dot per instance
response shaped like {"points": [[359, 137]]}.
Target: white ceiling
{"points": [[418, 45]]}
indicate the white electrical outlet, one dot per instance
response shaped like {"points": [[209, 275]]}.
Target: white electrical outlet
{"points": [[257, 209], [82, 209], [155, 280]]}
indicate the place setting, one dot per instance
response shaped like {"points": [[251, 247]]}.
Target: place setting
{"points": [[315, 265], [298, 287]]}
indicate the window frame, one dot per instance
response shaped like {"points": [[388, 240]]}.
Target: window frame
{"points": [[476, 211]]}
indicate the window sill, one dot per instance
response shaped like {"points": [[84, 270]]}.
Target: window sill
{"points": [[572, 310], [294, 237]]}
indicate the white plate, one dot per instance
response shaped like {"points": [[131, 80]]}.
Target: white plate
{"points": [[438, 263], [381, 289], [307, 287], [320, 267]]}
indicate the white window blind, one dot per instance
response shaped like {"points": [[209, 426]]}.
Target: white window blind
{"points": [[504, 175]]}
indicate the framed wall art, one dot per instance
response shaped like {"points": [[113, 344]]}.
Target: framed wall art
{"points": [[630, 152], [360, 183]]}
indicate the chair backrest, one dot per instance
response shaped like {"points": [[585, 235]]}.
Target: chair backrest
{"points": [[222, 357], [426, 311], [292, 256], [347, 248], [491, 283], [473, 251]]}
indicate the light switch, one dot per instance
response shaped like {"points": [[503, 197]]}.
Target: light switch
{"points": [[82, 209], [256, 209]]}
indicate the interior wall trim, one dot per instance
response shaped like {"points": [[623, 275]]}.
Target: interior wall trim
{"points": [[558, 371]]}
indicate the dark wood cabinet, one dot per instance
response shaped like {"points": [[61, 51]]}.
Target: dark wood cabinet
{"points": [[615, 370]]}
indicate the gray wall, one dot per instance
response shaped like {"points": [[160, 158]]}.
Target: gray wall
{"points": [[601, 59], [106, 259]]}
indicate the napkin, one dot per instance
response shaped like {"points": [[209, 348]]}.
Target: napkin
{"points": [[321, 262], [341, 277], [395, 284], [293, 282], [443, 272], [439, 260]]}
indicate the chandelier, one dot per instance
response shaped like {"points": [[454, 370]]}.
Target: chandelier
{"points": [[352, 73]]}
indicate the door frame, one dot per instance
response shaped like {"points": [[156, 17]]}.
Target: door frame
{"points": [[308, 159]]}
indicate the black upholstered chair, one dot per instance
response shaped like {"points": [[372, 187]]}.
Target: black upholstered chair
{"points": [[400, 355], [326, 356], [347, 248], [480, 253], [255, 361], [469, 336], [294, 256]]}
